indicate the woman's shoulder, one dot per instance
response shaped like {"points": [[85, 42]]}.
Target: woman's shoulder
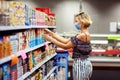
{"points": [[84, 37]]}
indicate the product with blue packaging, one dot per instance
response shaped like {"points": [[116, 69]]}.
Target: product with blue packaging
{"points": [[6, 71]]}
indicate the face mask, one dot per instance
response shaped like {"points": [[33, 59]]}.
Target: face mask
{"points": [[77, 26]]}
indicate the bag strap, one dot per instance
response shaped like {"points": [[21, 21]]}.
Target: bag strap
{"points": [[86, 36]]}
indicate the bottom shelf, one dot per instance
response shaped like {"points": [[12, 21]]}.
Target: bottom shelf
{"points": [[51, 71], [36, 67]]}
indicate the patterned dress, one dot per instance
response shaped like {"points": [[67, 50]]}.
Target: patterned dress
{"points": [[82, 67]]}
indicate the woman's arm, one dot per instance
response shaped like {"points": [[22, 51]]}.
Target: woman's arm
{"points": [[61, 39], [57, 37], [67, 45]]}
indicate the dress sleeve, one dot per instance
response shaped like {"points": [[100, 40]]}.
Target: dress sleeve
{"points": [[73, 40]]}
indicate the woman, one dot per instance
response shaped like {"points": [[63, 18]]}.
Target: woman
{"points": [[80, 43]]}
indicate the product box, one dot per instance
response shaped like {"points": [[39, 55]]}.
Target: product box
{"points": [[4, 16], [19, 67], [27, 15], [6, 71], [27, 38], [30, 15], [39, 36], [33, 19], [52, 19], [14, 43], [25, 66], [4, 19], [37, 76], [20, 71], [40, 17], [17, 13], [32, 40], [35, 53], [7, 46], [13, 72], [1, 47], [30, 61], [38, 56], [22, 40], [1, 73]]}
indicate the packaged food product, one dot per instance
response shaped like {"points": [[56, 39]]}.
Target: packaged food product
{"points": [[7, 45], [6, 71], [1, 47]]}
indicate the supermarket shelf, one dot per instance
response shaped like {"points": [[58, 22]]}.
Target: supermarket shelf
{"points": [[92, 35], [102, 59], [103, 35], [43, 26], [51, 71], [38, 46], [108, 52], [7, 28], [99, 41], [98, 50], [36, 67], [6, 59]]}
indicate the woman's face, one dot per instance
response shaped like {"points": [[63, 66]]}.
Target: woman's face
{"points": [[78, 21]]}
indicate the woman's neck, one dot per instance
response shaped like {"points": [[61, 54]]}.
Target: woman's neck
{"points": [[84, 30]]}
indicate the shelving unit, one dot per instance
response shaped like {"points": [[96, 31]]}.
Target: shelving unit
{"points": [[27, 30], [6, 59], [36, 67], [51, 71], [7, 28]]}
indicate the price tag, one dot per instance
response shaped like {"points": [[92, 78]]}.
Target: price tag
{"points": [[23, 54]]}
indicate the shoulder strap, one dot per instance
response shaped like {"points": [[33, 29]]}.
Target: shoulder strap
{"points": [[86, 36]]}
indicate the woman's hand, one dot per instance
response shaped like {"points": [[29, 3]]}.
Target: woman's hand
{"points": [[47, 37], [47, 31]]}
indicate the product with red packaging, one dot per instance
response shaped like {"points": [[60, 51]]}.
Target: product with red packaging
{"points": [[40, 16], [52, 19], [22, 37], [46, 12], [13, 72]]}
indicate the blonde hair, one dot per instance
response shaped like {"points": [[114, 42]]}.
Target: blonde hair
{"points": [[85, 19]]}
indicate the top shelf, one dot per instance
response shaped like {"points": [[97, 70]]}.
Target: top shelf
{"points": [[7, 28]]}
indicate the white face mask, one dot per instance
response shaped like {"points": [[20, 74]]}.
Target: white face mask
{"points": [[77, 26]]}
